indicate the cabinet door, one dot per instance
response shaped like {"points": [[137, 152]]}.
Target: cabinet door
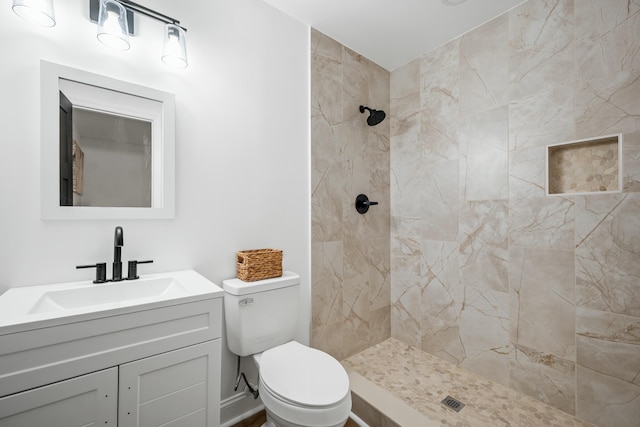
{"points": [[88, 400], [174, 389]]}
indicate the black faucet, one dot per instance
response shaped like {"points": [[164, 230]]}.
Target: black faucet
{"points": [[118, 243], [101, 268]]}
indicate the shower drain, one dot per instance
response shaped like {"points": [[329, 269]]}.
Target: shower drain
{"points": [[452, 403]]}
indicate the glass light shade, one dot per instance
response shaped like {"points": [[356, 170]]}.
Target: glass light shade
{"points": [[113, 29], [36, 11], [174, 52]]}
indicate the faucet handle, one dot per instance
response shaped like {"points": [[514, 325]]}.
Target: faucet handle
{"points": [[133, 268], [101, 271]]}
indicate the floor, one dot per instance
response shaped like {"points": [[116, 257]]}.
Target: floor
{"points": [[394, 384], [261, 417]]}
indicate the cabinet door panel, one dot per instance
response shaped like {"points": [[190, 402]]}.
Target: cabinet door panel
{"points": [[194, 419], [177, 388], [89, 400], [178, 376], [163, 410]]}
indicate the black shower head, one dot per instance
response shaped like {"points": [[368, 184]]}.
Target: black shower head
{"points": [[375, 116]]}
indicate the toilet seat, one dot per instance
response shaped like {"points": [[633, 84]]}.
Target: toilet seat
{"points": [[303, 376], [304, 385]]}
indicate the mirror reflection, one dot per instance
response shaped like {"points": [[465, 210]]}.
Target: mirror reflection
{"points": [[110, 160], [105, 157]]}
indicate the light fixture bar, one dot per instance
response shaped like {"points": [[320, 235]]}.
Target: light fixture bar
{"points": [[135, 7], [94, 8]]}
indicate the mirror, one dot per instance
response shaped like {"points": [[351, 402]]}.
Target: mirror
{"points": [[107, 147]]}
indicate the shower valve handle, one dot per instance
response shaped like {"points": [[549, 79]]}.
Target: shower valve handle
{"points": [[363, 203]]}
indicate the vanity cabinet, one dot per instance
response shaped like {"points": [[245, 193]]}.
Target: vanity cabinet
{"points": [[159, 366], [170, 389]]}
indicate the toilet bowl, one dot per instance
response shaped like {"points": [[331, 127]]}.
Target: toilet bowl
{"points": [[302, 386]]}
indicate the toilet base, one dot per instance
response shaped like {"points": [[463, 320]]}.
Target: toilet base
{"points": [[275, 421]]}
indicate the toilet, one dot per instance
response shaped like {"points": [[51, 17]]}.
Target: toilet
{"points": [[299, 386]]}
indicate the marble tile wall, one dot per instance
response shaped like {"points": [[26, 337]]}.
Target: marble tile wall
{"points": [[350, 252], [541, 294]]}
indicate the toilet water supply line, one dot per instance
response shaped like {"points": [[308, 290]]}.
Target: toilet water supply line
{"points": [[252, 388]]}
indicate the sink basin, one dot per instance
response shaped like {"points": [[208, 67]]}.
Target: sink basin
{"points": [[22, 307], [108, 293]]}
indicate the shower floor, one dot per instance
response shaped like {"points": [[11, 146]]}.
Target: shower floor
{"points": [[394, 384]]}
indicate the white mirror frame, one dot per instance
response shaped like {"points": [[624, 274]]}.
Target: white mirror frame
{"points": [[163, 148]]}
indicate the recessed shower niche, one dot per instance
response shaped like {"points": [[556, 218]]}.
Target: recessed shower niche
{"points": [[586, 166]]}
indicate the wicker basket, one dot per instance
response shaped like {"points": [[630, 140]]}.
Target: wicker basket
{"points": [[259, 264]]}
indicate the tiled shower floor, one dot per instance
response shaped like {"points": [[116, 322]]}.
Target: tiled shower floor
{"points": [[406, 386]]}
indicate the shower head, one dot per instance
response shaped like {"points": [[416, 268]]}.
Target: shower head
{"points": [[375, 116]]}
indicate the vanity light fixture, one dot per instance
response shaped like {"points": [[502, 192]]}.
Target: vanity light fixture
{"points": [[113, 28], [37, 11], [115, 24], [174, 52], [120, 19]]}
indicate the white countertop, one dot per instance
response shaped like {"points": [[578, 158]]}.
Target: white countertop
{"points": [[33, 307]]}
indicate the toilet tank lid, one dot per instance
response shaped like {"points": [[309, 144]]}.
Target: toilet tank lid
{"points": [[240, 287]]}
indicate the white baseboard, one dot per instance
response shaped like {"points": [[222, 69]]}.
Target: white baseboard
{"points": [[238, 407]]}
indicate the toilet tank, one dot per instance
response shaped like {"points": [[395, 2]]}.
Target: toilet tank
{"points": [[261, 315]]}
